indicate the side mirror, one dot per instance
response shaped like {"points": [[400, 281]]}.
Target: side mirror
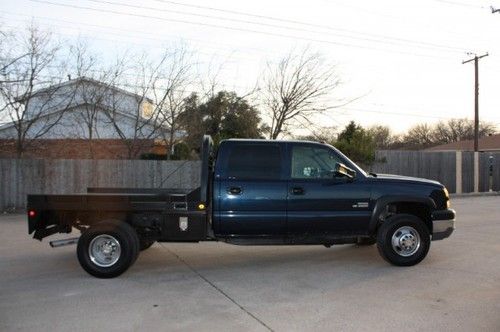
{"points": [[342, 170]]}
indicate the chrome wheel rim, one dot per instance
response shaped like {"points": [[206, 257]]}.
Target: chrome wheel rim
{"points": [[405, 241], [104, 250]]}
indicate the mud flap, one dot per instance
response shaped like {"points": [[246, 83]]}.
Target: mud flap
{"points": [[44, 232]]}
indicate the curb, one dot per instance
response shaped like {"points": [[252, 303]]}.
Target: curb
{"points": [[480, 194]]}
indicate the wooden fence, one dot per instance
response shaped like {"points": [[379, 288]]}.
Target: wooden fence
{"points": [[19, 177], [442, 166], [437, 166], [33, 176]]}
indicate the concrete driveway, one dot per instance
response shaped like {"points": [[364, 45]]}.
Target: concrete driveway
{"points": [[214, 286]]}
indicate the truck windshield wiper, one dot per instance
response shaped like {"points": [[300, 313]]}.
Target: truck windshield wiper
{"points": [[373, 174]]}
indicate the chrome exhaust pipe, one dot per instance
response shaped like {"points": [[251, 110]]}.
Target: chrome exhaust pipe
{"points": [[64, 242]]}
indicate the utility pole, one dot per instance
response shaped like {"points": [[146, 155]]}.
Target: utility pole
{"points": [[476, 97], [476, 118]]}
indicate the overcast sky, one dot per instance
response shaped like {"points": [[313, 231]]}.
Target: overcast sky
{"points": [[403, 57]]}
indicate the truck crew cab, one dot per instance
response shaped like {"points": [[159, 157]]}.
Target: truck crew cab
{"points": [[253, 192]]}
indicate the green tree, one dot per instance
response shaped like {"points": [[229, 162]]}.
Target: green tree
{"points": [[382, 136], [357, 144], [192, 121], [224, 115], [181, 151]]}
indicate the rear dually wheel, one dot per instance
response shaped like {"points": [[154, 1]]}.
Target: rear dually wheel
{"points": [[108, 249]]}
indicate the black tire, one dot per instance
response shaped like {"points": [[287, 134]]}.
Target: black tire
{"points": [[366, 241], [145, 243], [134, 237], [116, 235], [406, 229]]}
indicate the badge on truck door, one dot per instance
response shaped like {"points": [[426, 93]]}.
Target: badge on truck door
{"points": [[183, 223]]}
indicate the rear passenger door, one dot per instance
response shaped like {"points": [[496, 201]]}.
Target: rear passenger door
{"points": [[251, 189]]}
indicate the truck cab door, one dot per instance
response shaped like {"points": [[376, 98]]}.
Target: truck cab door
{"points": [[319, 202], [251, 190]]}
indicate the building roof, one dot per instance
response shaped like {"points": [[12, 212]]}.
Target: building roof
{"points": [[84, 79], [487, 143]]}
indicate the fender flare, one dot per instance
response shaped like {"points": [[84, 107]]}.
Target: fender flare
{"points": [[383, 201]]}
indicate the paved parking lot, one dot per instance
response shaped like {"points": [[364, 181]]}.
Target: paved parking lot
{"points": [[214, 286]]}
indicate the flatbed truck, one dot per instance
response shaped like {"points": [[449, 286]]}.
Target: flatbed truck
{"points": [[253, 192]]}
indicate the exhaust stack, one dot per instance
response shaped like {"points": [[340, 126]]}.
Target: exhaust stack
{"points": [[64, 242]]}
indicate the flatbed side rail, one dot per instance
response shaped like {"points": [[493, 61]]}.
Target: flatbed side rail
{"points": [[160, 191]]}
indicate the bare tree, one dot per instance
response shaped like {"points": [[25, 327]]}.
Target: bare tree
{"points": [[297, 88], [455, 130], [170, 93], [32, 97], [94, 84], [208, 79], [321, 134], [420, 136], [160, 88], [423, 136], [7, 59]]}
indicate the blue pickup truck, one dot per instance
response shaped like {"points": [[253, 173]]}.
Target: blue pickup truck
{"points": [[253, 192]]}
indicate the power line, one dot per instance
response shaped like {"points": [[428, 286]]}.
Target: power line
{"points": [[395, 113], [463, 4], [73, 25], [391, 40], [139, 32], [435, 109], [138, 89], [283, 20], [348, 45], [135, 43]]}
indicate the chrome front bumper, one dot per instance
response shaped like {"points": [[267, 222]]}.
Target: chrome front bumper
{"points": [[443, 224]]}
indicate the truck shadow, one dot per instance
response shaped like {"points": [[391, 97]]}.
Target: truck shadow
{"points": [[259, 258], [166, 262]]}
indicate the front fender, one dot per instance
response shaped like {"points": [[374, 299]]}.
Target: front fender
{"points": [[383, 201]]}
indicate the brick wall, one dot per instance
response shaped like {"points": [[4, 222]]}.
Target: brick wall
{"points": [[77, 149]]}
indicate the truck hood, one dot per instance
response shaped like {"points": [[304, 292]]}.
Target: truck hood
{"points": [[406, 179]]}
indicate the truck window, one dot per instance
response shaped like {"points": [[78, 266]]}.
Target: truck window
{"points": [[311, 162], [254, 161]]}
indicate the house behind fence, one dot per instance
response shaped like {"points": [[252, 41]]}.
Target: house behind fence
{"points": [[84, 119]]}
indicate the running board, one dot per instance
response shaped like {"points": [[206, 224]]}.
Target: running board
{"points": [[65, 242]]}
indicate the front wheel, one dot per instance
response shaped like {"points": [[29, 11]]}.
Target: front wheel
{"points": [[108, 249], [403, 240]]}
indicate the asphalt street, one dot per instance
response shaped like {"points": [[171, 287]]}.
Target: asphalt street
{"points": [[216, 286]]}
